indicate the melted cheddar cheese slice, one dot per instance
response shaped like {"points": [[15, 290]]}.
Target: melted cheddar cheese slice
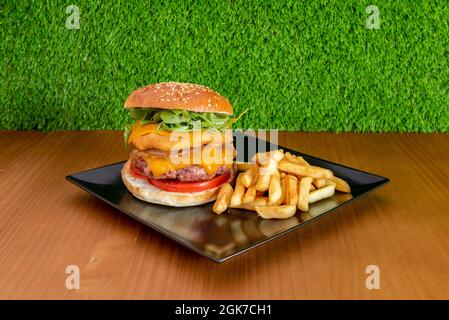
{"points": [[139, 130], [208, 158]]}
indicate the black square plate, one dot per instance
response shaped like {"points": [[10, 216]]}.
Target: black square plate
{"points": [[220, 237]]}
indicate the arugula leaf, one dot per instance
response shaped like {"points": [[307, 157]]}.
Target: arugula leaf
{"points": [[183, 120], [126, 133]]}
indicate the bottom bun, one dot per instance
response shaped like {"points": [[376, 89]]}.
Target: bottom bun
{"points": [[145, 191]]}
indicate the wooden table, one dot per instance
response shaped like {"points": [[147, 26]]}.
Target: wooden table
{"points": [[47, 223]]}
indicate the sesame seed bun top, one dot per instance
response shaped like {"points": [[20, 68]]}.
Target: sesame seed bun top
{"points": [[176, 95]]}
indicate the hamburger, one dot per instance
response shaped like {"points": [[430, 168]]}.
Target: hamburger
{"points": [[183, 144]]}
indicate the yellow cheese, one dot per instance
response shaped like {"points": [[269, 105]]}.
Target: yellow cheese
{"points": [[139, 130], [160, 165]]}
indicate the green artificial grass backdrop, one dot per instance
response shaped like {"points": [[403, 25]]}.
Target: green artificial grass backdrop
{"points": [[296, 65]]}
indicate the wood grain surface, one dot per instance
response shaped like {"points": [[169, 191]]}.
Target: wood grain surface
{"points": [[47, 223]]}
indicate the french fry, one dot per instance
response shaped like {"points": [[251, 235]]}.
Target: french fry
{"points": [[263, 182], [251, 192], [312, 187], [304, 171], [291, 190], [260, 157], [268, 167], [302, 160], [297, 159], [238, 193], [249, 174], [258, 201], [276, 212], [243, 166], [341, 185], [263, 157], [274, 190], [277, 155], [319, 183], [303, 193], [323, 193], [223, 199], [283, 189], [265, 172]]}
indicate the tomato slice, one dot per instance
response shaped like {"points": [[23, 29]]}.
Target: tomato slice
{"points": [[197, 186]]}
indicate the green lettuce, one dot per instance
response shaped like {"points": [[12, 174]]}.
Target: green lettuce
{"points": [[181, 120]]}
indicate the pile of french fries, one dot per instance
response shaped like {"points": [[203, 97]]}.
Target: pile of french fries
{"points": [[277, 184]]}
